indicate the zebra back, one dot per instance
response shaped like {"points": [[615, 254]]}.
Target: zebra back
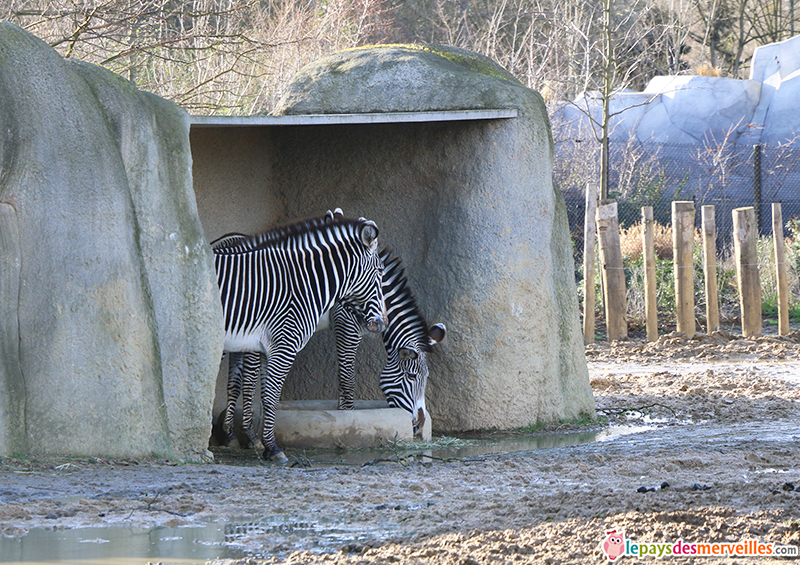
{"points": [[328, 259], [281, 236], [406, 324]]}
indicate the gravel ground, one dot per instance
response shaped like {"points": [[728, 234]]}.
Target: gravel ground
{"points": [[720, 461]]}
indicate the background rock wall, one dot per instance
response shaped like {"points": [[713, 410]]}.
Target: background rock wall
{"points": [[699, 110], [469, 206], [119, 322]]}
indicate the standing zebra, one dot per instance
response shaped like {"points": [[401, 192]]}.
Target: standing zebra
{"points": [[275, 286], [407, 338]]}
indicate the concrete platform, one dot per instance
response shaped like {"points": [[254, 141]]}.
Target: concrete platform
{"points": [[318, 424]]}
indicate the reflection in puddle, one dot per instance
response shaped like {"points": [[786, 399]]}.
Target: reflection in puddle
{"points": [[179, 546], [472, 446], [279, 537], [118, 546]]}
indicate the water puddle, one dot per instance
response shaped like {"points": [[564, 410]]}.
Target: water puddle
{"points": [[188, 545], [284, 537], [509, 443], [465, 446], [119, 546]]}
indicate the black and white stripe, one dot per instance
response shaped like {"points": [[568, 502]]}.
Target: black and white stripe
{"points": [[275, 286], [407, 338]]}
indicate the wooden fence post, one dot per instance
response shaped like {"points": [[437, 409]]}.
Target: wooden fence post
{"points": [[780, 269], [589, 236], [613, 275], [648, 249], [745, 236], [710, 268], [682, 248]]}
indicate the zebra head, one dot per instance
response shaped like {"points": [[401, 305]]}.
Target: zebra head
{"points": [[407, 339], [405, 375], [366, 290]]}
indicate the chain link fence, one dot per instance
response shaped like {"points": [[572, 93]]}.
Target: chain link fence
{"points": [[656, 174], [727, 176]]}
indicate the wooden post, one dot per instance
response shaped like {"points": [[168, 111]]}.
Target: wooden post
{"points": [[589, 236], [780, 269], [648, 249], [613, 275], [710, 268], [744, 247], [683, 264]]}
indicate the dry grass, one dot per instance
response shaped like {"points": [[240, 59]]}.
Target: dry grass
{"points": [[630, 240], [706, 70]]}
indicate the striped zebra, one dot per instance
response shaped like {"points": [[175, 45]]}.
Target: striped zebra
{"points": [[407, 338], [275, 286]]}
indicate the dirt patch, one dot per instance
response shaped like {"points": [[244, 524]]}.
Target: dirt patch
{"points": [[720, 465], [719, 346]]}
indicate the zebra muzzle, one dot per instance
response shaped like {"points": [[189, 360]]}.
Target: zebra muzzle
{"points": [[376, 325]]}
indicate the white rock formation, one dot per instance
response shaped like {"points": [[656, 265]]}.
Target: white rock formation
{"points": [[700, 109]]}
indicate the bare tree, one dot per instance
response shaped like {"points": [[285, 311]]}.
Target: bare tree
{"points": [[235, 56], [222, 56], [720, 157], [624, 47], [728, 31]]}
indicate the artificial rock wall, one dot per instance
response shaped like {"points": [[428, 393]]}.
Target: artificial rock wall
{"points": [[469, 206], [110, 322], [698, 110]]}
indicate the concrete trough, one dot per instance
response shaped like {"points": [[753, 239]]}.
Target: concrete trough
{"points": [[318, 424]]}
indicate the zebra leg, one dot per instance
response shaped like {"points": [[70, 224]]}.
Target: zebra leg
{"points": [[250, 379], [278, 365], [235, 360], [347, 329]]}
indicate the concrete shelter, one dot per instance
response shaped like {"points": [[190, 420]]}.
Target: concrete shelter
{"points": [[451, 157]]}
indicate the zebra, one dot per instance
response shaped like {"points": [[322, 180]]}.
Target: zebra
{"points": [[274, 287], [407, 338]]}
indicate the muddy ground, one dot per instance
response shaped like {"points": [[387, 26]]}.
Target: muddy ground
{"points": [[721, 463]]}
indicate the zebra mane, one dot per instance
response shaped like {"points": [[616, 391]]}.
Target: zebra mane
{"points": [[233, 243], [400, 295]]}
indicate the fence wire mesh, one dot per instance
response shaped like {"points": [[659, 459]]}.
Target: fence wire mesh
{"points": [[726, 176]]}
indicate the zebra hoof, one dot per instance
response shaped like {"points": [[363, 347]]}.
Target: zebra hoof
{"points": [[253, 442], [275, 456]]}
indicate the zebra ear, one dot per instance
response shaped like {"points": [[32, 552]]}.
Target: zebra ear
{"points": [[436, 333], [369, 233], [406, 353], [337, 214]]}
